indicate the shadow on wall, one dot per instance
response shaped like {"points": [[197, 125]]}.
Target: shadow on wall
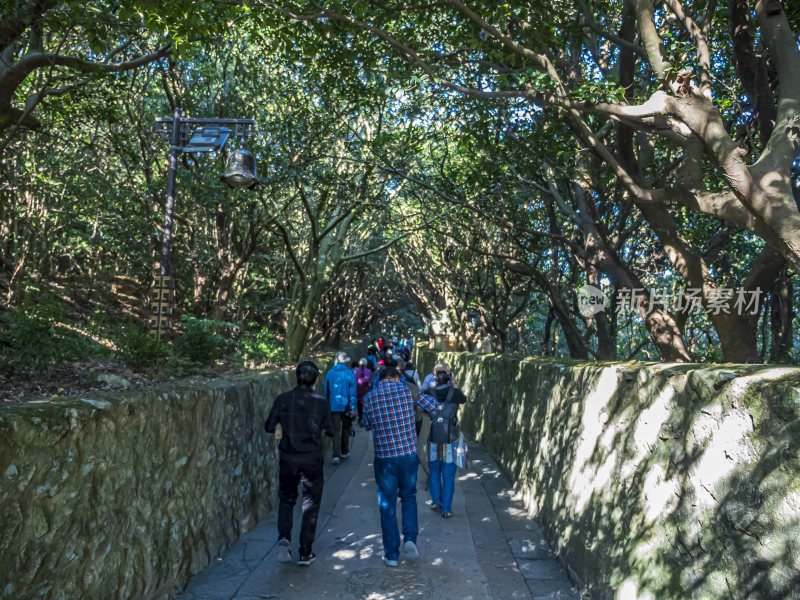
{"points": [[128, 494], [653, 481]]}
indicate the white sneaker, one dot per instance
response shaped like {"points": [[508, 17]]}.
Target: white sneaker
{"points": [[284, 551], [389, 562], [336, 460], [306, 560], [411, 550]]}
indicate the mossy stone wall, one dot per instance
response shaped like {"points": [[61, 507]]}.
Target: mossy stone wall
{"points": [[653, 481], [125, 496]]}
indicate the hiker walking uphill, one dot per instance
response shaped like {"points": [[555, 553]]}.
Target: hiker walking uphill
{"points": [[340, 390], [303, 416], [389, 412], [443, 439], [363, 379]]}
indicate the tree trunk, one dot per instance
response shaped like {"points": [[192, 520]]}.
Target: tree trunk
{"points": [[781, 318], [606, 346], [431, 336], [739, 339], [547, 326], [199, 279], [575, 342], [662, 327], [499, 340], [737, 333], [305, 304], [227, 277]]}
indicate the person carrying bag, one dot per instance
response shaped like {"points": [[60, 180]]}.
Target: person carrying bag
{"points": [[445, 447]]}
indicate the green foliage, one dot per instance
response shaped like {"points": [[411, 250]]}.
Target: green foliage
{"points": [[261, 346], [601, 91], [139, 350], [32, 336], [341, 120], [200, 341]]}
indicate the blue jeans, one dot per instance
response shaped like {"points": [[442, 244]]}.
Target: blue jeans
{"points": [[443, 482], [393, 475]]}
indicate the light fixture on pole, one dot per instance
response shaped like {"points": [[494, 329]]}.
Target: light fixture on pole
{"points": [[208, 139], [189, 135]]}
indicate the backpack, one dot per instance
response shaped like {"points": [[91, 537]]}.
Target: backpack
{"points": [[444, 421]]}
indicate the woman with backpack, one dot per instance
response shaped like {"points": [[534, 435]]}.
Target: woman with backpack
{"points": [[363, 381], [443, 442]]}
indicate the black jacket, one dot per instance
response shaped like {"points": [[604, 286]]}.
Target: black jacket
{"points": [[304, 415], [440, 392]]}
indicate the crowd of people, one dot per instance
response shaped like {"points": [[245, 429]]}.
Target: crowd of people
{"points": [[414, 424]]}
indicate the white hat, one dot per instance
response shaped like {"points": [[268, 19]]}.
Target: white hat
{"points": [[341, 357]]}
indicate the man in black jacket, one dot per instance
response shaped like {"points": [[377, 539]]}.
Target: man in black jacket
{"points": [[303, 416]]}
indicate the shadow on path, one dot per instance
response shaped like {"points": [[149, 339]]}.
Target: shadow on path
{"points": [[489, 549]]}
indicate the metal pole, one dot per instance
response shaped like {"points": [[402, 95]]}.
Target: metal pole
{"points": [[162, 293], [174, 153]]}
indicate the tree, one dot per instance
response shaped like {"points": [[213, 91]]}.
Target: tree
{"points": [[520, 49], [387, 194], [51, 47]]}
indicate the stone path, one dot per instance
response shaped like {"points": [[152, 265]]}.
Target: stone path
{"points": [[490, 549]]}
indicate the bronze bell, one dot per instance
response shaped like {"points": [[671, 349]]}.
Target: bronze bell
{"points": [[240, 170]]}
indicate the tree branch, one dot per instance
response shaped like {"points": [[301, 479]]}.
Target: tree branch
{"points": [[35, 60], [540, 59], [781, 42], [782, 148], [652, 43], [310, 212], [592, 24], [382, 247], [751, 68], [701, 45], [289, 248]]}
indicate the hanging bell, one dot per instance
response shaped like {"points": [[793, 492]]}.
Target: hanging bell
{"points": [[240, 170]]}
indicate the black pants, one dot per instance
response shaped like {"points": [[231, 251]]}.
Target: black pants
{"points": [[292, 472], [342, 422]]}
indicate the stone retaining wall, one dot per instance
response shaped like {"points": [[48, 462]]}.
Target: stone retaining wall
{"points": [[127, 495], [652, 481]]}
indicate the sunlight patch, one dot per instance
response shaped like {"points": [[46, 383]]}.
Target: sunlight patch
{"points": [[584, 479], [659, 496], [648, 426], [726, 438], [629, 590]]}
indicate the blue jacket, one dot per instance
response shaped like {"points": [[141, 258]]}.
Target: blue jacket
{"points": [[340, 388]]}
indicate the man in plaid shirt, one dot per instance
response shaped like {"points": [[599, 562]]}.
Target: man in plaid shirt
{"points": [[389, 412]]}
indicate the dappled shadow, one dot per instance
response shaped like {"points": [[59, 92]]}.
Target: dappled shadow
{"points": [[350, 563], [349, 549], [651, 480]]}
